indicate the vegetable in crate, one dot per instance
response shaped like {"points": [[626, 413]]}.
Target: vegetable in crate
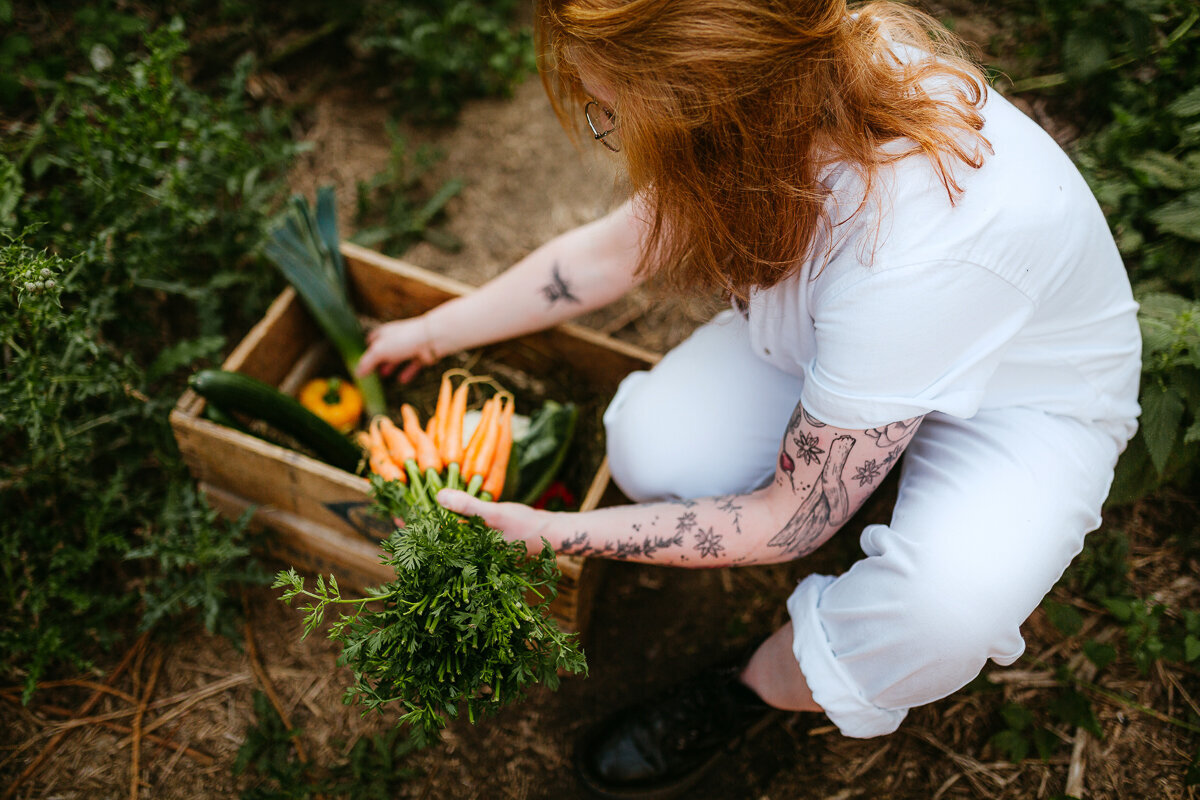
{"points": [[333, 400], [463, 625], [539, 454], [306, 251], [492, 463], [234, 393]]}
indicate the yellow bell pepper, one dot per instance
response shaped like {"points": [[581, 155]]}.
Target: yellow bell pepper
{"points": [[336, 401]]}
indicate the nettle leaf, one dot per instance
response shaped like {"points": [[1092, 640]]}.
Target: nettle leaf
{"points": [[1084, 53], [1162, 413], [1180, 217], [1187, 104], [1099, 653], [1017, 716], [1013, 745], [1066, 618], [1161, 169], [1046, 743], [1073, 708], [1162, 305], [1119, 607]]}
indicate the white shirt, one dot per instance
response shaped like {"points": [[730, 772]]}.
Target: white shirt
{"points": [[1015, 295]]}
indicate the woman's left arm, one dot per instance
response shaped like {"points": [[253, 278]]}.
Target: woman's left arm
{"points": [[823, 474]]}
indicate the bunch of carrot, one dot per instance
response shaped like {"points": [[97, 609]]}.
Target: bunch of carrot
{"points": [[431, 457]]}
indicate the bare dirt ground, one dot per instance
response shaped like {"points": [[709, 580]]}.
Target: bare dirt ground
{"points": [[525, 183]]}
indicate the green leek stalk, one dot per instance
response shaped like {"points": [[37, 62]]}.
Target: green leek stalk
{"points": [[305, 249]]}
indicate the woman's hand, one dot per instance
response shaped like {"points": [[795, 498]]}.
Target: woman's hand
{"points": [[405, 341], [518, 523]]}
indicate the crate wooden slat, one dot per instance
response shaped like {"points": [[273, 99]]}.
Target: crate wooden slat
{"points": [[320, 515]]}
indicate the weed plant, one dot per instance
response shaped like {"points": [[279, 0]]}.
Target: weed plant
{"points": [[392, 212], [439, 54], [129, 203], [374, 768]]}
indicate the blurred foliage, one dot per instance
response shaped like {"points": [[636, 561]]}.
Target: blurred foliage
{"points": [[136, 175], [439, 53], [391, 212], [374, 768], [129, 204], [430, 56], [1167, 447]]}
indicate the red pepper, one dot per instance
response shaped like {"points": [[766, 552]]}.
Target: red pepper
{"points": [[557, 497]]}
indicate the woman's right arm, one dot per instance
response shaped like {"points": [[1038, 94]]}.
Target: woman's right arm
{"points": [[574, 273]]}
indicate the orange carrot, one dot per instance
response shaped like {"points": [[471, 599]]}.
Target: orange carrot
{"points": [[379, 458], [481, 429], [441, 412], [398, 445], [452, 449], [404, 455], [427, 454], [493, 484], [487, 445]]}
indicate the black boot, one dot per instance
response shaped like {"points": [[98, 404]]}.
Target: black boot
{"points": [[659, 748]]}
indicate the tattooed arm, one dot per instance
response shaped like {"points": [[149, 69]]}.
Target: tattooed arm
{"points": [[823, 475], [579, 271]]}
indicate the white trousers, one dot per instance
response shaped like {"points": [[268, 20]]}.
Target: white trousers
{"points": [[990, 512]]}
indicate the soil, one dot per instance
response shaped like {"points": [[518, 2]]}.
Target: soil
{"points": [[526, 183]]}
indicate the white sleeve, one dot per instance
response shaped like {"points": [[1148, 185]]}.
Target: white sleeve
{"points": [[904, 341]]}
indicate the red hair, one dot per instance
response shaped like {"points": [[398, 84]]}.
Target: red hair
{"points": [[729, 111]]}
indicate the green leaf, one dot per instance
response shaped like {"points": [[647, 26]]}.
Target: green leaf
{"points": [[1161, 169], [1017, 716], [1084, 53], [1066, 618], [1191, 648], [1180, 217], [1012, 745], [1099, 653], [1164, 306], [1162, 413], [1073, 708], [1187, 104], [539, 455], [11, 191], [1134, 477], [184, 353], [1046, 743], [1119, 607]]}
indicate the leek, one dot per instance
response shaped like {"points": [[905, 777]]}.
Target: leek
{"points": [[305, 249]]}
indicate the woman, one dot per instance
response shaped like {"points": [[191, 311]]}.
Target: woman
{"points": [[915, 268]]}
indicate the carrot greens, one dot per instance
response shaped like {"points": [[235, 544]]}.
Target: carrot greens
{"points": [[463, 626]]}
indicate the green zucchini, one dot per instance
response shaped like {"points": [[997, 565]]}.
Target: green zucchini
{"points": [[232, 392]]}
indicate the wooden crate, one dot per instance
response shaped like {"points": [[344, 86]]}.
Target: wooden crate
{"points": [[318, 513]]}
